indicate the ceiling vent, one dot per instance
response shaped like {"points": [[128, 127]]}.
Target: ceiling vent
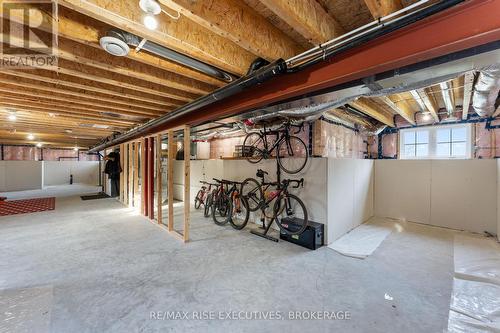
{"points": [[114, 44]]}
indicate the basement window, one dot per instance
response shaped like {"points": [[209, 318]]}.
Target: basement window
{"points": [[436, 142]]}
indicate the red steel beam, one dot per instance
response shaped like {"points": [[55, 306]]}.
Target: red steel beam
{"points": [[470, 24]]}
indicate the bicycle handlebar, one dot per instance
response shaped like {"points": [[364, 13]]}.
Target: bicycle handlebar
{"points": [[299, 183]]}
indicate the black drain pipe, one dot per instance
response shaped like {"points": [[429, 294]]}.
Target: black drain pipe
{"points": [[257, 77]]}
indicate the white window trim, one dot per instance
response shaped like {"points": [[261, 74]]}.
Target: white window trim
{"points": [[433, 144]]}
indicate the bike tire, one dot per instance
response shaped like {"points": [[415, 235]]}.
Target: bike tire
{"points": [[251, 190], [198, 201], [208, 205], [239, 219], [297, 145], [221, 210], [279, 208], [254, 143]]}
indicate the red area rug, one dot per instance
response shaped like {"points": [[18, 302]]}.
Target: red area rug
{"points": [[26, 206]]}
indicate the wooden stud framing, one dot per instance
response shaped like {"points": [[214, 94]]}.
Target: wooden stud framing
{"points": [[151, 178], [130, 174], [121, 175], [187, 183], [468, 83], [124, 175], [170, 179], [136, 174], [159, 216]]}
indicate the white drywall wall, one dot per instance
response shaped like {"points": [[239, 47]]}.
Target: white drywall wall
{"points": [[350, 195], [402, 189], [58, 172], [458, 194], [498, 199], [20, 175]]}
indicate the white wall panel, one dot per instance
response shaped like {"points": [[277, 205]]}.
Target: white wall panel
{"points": [[58, 172], [463, 195], [21, 175], [350, 195], [458, 194], [402, 189]]}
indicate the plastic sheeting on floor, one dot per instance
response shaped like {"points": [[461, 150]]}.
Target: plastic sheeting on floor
{"points": [[475, 300], [363, 240], [26, 310]]}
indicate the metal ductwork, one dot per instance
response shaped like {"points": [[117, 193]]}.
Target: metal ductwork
{"points": [[486, 90], [117, 42]]}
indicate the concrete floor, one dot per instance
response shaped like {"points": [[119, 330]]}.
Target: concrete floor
{"points": [[94, 266]]}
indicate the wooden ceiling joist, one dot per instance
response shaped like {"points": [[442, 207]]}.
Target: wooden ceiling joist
{"points": [[370, 108], [53, 98], [100, 59], [381, 8], [308, 18], [85, 30], [89, 85], [234, 20], [468, 84], [81, 94], [180, 35], [426, 102], [400, 108]]}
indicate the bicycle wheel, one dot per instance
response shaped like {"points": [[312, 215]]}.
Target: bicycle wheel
{"points": [[240, 212], [252, 192], [221, 209], [293, 155], [288, 208], [208, 205], [253, 147], [198, 200]]}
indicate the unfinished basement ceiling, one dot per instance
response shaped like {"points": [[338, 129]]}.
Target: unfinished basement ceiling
{"points": [[95, 95]]}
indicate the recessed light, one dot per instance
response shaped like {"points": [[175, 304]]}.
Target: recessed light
{"points": [[31, 137]]}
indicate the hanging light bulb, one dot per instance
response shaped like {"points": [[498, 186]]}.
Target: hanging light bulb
{"points": [[30, 136], [150, 22], [75, 149], [426, 117], [12, 116], [39, 145]]}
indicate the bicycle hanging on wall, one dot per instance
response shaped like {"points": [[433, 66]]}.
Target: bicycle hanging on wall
{"points": [[290, 151]]}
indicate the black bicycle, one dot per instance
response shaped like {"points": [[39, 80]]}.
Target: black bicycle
{"points": [[286, 206], [290, 150], [228, 205]]}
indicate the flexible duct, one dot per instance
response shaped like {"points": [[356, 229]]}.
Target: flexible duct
{"points": [[486, 90]]}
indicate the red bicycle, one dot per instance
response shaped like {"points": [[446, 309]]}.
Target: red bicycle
{"points": [[202, 195]]}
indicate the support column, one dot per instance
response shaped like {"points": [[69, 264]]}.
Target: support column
{"points": [[121, 174], [187, 179], [145, 182], [170, 176], [151, 178], [130, 174], [159, 189], [124, 176]]}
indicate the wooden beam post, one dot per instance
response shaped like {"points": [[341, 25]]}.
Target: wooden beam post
{"points": [[151, 178], [159, 189], [187, 178], [136, 174], [170, 176], [121, 175], [130, 174], [124, 155], [468, 83]]}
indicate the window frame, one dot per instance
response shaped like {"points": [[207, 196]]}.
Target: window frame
{"points": [[432, 144]]}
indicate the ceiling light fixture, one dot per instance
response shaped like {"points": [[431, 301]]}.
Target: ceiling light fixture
{"points": [[426, 117], [75, 149], [150, 22], [39, 145], [12, 116], [30, 136]]}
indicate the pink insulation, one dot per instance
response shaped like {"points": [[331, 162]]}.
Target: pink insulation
{"points": [[28, 153], [330, 140], [390, 145]]}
